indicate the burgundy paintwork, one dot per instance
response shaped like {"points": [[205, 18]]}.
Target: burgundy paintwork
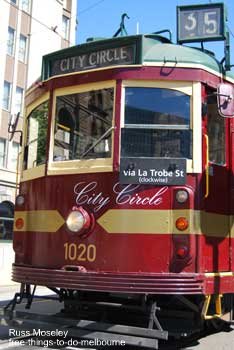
{"points": [[135, 262], [139, 283]]}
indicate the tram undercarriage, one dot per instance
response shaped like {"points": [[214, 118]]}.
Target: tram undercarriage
{"points": [[139, 320]]}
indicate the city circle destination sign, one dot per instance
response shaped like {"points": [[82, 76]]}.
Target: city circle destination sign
{"points": [[93, 59], [153, 171]]}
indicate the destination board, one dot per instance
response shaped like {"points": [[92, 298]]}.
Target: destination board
{"points": [[200, 23], [153, 171], [93, 59]]}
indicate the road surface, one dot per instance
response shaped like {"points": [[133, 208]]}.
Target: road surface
{"points": [[219, 341]]}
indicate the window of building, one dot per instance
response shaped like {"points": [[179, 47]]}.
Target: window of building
{"points": [[6, 95], [22, 48], [13, 1], [216, 133], [14, 155], [11, 41], [6, 220], [25, 5], [84, 125], [65, 27], [2, 153], [157, 123], [35, 149], [18, 100]]}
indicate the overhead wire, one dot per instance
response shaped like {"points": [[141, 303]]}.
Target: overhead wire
{"points": [[230, 31], [91, 6]]}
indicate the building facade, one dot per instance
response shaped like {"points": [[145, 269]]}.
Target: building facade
{"points": [[29, 30]]}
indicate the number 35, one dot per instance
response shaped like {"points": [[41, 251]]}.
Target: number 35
{"points": [[210, 24]]}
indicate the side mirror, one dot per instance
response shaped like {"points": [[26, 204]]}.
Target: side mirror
{"points": [[225, 100], [13, 123]]}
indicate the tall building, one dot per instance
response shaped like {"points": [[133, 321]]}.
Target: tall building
{"points": [[29, 30]]}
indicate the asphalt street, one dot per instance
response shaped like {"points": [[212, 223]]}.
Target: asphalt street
{"points": [[218, 341]]}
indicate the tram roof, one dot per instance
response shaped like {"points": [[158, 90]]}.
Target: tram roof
{"points": [[143, 49]]}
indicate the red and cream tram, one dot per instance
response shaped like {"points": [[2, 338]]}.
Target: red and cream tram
{"points": [[126, 192]]}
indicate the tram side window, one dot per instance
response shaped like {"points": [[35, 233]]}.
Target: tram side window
{"points": [[83, 127], [157, 123], [216, 133], [35, 148]]}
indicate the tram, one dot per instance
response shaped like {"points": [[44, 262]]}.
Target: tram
{"points": [[125, 207]]}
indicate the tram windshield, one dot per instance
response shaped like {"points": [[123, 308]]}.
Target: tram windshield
{"points": [[83, 127], [157, 123], [35, 148]]}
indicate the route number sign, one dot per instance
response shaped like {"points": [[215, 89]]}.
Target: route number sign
{"points": [[200, 23]]}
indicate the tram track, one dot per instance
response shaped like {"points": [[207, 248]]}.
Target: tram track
{"points": [[45, 321], [28, 342], [36, 329], [60, 332]]}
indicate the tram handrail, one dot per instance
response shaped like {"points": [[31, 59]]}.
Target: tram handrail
{"points": [[17, 173], [207, 166]]}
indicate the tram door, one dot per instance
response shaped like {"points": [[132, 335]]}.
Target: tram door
{"points": [[231, 190], [216, 223]]}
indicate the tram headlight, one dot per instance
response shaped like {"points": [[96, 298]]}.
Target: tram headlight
{"points": [[181, 196], [78, 220], [19, 200]]}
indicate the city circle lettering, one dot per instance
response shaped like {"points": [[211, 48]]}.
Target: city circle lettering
{"points": [[102, 58], [86, 193]]}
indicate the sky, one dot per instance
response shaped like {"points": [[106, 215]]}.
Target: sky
{"points": [[101, 18]]}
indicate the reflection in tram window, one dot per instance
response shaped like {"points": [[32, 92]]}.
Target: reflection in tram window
{"points": [[157, 123], [216, 132], [35, 149], [84, 125], [6, 220]]}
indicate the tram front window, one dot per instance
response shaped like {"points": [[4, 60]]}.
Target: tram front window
{"points": [[83, 127], [157, 123], [35, 148]]}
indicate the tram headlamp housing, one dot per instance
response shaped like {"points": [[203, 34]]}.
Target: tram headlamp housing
{"points": [[78, 220], [19, 200], [181, 196]]}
